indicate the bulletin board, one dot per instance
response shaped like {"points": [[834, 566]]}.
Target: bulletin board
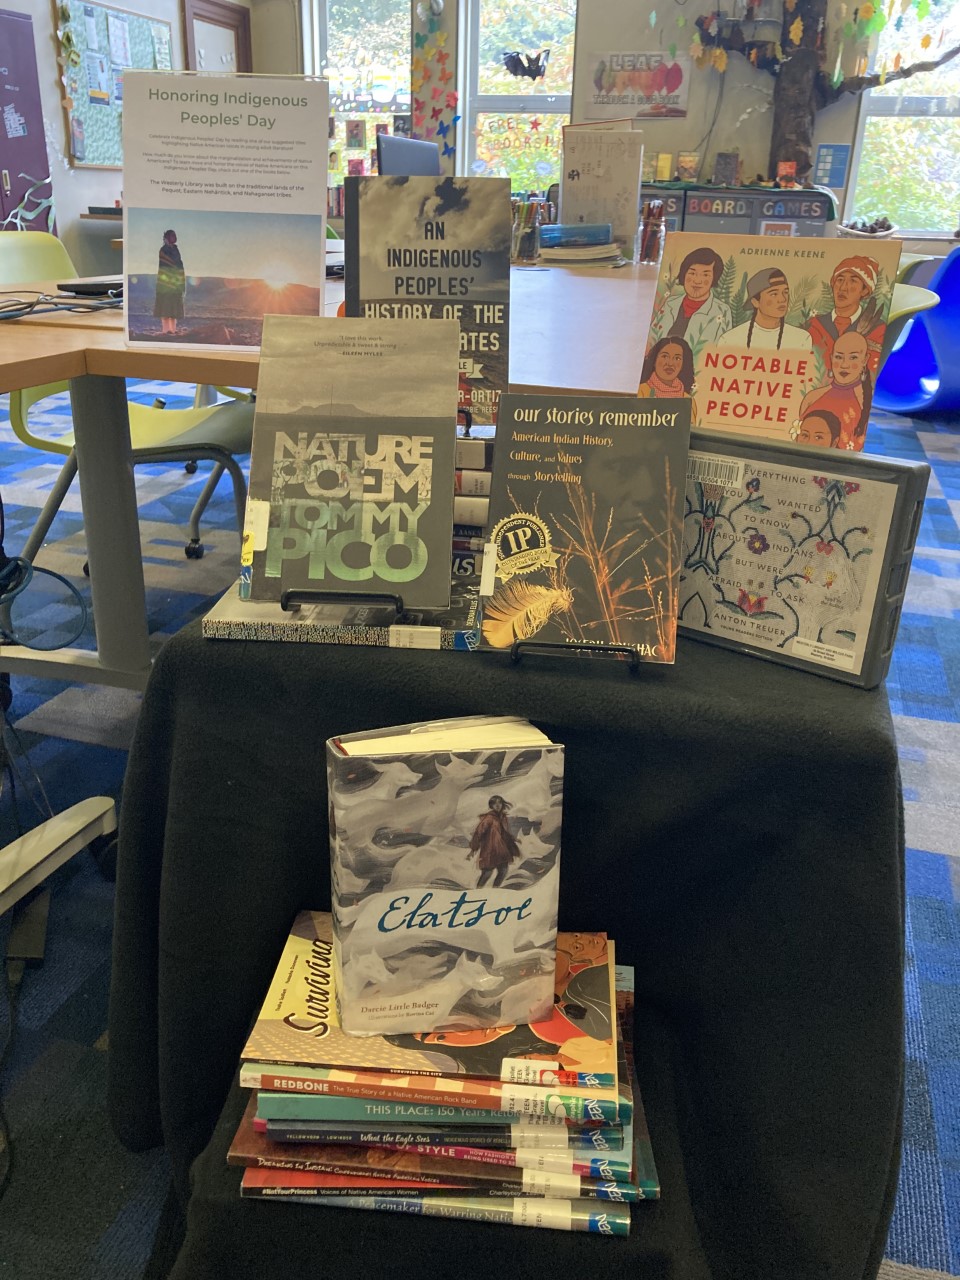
{"points": [[96, 44]]}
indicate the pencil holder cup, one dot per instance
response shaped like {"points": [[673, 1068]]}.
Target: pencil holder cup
{"points": [[525, 241]]}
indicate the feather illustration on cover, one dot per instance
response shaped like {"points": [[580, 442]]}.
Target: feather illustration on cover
{"points": [[445, 848]]}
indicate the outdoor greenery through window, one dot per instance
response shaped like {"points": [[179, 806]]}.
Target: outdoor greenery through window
{"points": [[367, 65], [909, 166], [515, 121]]}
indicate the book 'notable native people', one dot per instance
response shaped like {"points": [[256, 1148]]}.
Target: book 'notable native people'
{"points": [[444, 851], [777, 331]]}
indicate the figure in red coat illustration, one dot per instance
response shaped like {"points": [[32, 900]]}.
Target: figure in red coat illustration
{"points": [[493, 844]]}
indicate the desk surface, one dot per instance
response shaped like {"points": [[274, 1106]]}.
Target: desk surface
{"points": [[572, 329]]}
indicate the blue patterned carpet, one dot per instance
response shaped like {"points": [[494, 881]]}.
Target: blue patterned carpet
{"points": [[78, 1205]]}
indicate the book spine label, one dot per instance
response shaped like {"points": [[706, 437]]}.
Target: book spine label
{"points": [[473, 483]]}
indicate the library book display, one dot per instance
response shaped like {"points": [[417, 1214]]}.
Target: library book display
{"points": [[736, 826]]}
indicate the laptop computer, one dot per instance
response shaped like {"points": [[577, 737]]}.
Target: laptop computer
{"points": [[409, 156], [93, 288]]}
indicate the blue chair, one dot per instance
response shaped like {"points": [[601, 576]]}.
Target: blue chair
{"points": [[922, 375]]}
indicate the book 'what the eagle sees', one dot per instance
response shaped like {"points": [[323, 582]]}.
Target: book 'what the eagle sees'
{"points": [[445, 859], [352, 462]]}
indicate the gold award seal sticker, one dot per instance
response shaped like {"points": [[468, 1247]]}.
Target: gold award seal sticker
{"points": [[523, 545]]}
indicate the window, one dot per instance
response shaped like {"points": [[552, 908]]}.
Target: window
{"points": [[513, 123], [363, 50], [909, 139]]}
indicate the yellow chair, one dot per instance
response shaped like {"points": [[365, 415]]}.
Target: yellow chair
{"points": [[214, 432]]}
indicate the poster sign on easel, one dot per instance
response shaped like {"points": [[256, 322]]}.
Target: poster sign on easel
{"points": [[224, 205]]}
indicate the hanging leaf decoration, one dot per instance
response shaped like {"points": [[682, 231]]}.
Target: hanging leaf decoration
{"points": [[865, 12], [796, 31], [926, 42], [720, 60], [681, 20], [653, 17], [897, 61], [883, 74], [672, 50]]}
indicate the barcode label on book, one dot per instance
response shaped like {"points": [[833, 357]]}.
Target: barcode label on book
{"points": [[711, 468], [528, 1135], [535, 1212], [537, 1182], [523, 1071]]}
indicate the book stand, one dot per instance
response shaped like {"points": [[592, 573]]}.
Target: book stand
{"points": [[519, 647], [292, 599]]}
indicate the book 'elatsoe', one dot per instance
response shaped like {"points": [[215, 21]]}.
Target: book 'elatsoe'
{"points": [[445, 862], [351, 466], [585, 525]]}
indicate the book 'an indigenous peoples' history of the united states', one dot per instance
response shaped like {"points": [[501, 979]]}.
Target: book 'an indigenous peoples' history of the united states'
{"points": [[436, 248], [352, 463], [585, 525], [444, 851]]}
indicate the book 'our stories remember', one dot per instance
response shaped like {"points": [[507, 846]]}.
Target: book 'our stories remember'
{"points": [[772, 336], [586, 512], [352, 462], [436, 248], [445, 859]]}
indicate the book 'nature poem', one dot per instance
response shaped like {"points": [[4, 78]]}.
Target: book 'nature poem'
{"points": [[444, 850], [351, 469]]}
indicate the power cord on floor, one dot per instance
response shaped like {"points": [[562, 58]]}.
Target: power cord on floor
{"points": [[13, 977], [16, 574]]}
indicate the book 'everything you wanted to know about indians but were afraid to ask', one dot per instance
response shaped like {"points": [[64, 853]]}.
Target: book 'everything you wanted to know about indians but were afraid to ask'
{"points": [[352, 463]]}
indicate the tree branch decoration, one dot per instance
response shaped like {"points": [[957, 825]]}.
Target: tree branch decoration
{"points": [[818, 55]]}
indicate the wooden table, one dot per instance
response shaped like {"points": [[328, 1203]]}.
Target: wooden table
{"points": [[573, 329]]}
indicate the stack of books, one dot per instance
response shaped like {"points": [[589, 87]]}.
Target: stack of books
{"points": [[471, 503], [538, 1125]]}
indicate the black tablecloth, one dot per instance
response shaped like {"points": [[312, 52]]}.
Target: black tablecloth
{"points": [[735, 827]]}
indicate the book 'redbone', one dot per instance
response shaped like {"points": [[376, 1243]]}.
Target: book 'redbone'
{"points": [[586, 513], [351, 467], [445, 859], [771, 336], [426, 248]]}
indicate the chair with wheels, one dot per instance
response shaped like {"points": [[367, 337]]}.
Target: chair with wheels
{"points": [[216, 432], [922, 374]]}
